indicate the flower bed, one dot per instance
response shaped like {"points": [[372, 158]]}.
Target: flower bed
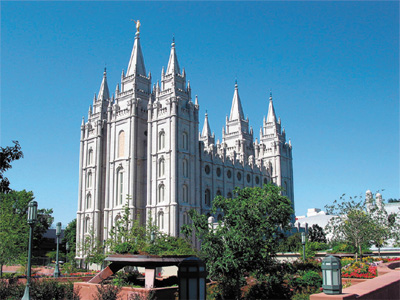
{"points": [[366, 269]]}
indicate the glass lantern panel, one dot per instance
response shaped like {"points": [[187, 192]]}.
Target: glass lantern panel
{"points": [[192, 269], [335, 277], [193, 288], [202, 288], [183, 288], [328, 278]]}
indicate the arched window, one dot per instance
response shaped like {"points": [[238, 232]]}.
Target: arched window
{"points": [[121, 143], [185, 168], [207, 197], [89, 180], [239, 176], [90, 157], [185, 141], [265, 181], [161, 220], [185, 193], [185, 218], [87, 224], [161, 140], [120, 186], [161, 193], [219, 193], [88, 201], [286, 190], [229, 195], [257, 180], [248, 178], [219, 218], [161, 167]]}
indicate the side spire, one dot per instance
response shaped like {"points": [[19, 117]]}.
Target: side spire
{"points": [[104, 93], [136, 62], [236, 109], [173, 65], [206, 127], [271, 117]]}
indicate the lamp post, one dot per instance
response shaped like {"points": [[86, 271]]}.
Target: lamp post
{"points": [[32, 218], [192, 279], [58, 233], [331, 275], [66, 251], [303, 242]]}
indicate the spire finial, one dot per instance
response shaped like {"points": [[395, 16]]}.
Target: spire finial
{"points": [[137, 26], [173, 40], [270, 94], [105, 72]]}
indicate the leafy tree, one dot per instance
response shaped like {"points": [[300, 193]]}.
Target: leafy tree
{"points": [[14, 229], [316, 234], [387, 226], [352, 222], [7, 155], [70, 238], [245, 240]]}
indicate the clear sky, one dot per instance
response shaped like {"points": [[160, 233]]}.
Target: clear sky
{"points": [[333, 68]]}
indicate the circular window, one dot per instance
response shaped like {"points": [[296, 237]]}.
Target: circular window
{"points": [[207, 169], [248, 178], [257, 180], [218, 172], [229, 174], [265, 181], [239, 176]]}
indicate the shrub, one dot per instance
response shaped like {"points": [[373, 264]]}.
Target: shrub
{"points": [[271, 288], [126, 247], [309, 280], [52, 289], [107, 292]]}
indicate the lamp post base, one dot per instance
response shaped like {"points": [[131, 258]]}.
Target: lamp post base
{"points": [[26, 293]]}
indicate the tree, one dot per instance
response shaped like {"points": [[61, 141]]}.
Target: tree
{"points": [[14, 229], [352, 222], [245, 241], [316, 234], [387, 226], [70, 238], [7, 155]]}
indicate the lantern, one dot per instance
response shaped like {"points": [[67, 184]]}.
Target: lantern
{"points": [[192, 279], [32, 212], [332, 275]]}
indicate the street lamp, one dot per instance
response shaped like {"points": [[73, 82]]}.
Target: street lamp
{"points": [[58, 233], [331, 275], [66, 251], [303, 242], [32, 218], [192, 279]]}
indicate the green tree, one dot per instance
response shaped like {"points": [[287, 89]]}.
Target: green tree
{"points": [[245, 241], [351, 222], [316, 234], [14, 228], [386, 226], [7, 155]]}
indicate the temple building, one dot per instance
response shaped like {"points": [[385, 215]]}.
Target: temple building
{"points": [[141, 147]]}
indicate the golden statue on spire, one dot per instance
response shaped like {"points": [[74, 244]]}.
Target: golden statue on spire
{"points": [[137, 25]]}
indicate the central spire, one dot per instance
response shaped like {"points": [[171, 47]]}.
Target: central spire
{"points": [[173, 65], [136, 63], [271, 117], [236, 110]]}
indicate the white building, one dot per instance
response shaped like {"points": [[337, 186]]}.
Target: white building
{"points": [[144, 142]]}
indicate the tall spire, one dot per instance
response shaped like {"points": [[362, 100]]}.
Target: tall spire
{"points": [[173, 65], [271, 111], [136, 63], [236, 110], [206, 127], [104, 93]]}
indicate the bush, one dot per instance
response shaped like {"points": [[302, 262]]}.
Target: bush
{"points": [[39, 290], [107, 292], [272, 288], [347, 248], [309, 280], [126, 247]]}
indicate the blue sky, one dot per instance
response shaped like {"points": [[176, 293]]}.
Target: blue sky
{"points": [[333, 68]]}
